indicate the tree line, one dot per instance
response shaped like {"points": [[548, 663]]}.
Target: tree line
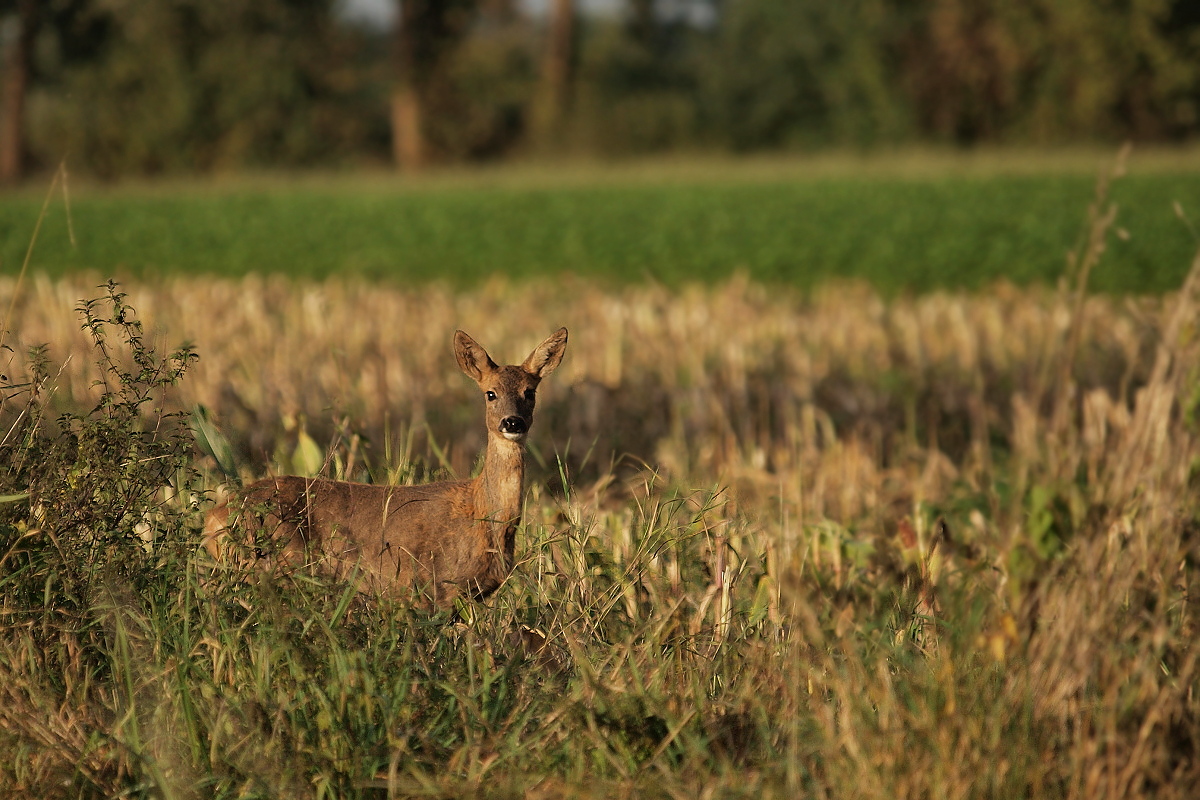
{"points": [[137, 87]]}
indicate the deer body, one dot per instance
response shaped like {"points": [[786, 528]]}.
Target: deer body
{"points": [[446, 539]]}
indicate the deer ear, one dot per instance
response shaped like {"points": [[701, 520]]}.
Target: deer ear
{"points": [[547, 355], [472, 358]]}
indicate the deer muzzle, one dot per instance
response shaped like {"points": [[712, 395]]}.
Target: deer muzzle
{"points": [[514, 428]]}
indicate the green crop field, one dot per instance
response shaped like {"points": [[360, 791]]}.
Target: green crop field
{"points": [[797, 224]]}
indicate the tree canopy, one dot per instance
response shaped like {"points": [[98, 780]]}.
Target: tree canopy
{"points": [[152, 86]]}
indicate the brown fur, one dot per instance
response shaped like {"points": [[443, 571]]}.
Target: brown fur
{"points": [[447, 539]]}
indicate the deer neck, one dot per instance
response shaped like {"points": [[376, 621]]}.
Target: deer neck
{"points": [[499, 487]]}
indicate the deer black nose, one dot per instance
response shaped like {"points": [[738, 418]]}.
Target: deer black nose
{"points": [[514, 425]]}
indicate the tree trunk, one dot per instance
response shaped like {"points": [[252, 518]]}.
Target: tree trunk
{"points": [[557, 69], [15, 86], [427, 34], [409, 145], [409, 148]]}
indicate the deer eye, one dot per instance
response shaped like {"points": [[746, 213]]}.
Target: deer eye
{"points": [[490, 395], [530, 394]]}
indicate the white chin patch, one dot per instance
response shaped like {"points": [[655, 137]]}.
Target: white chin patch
{"points": [[514, 437]]}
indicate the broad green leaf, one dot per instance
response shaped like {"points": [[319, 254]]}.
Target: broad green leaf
{"points": [[308, 457], [211, 441]]}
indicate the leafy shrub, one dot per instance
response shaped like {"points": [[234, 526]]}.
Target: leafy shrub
{"points": [[95, 480]]}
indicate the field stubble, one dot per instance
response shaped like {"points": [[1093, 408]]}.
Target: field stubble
{"points": [[828, 543]]}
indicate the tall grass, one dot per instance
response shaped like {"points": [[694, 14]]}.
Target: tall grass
{"points": [[782, 545]]}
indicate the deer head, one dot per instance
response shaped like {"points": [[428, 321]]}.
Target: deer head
{"points": [[510, 392]]}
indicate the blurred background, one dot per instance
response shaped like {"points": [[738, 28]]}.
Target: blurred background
{"points": [[153, 87]]}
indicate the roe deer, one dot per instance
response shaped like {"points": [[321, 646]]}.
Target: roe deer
{"points": [[444, 539]]}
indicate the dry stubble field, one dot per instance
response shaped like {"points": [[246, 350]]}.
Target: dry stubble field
{"points": [[822, 545]]}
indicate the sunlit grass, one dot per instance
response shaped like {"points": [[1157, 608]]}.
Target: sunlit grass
{"points": [[738, 576]]}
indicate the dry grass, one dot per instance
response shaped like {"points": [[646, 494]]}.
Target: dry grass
{"points": [[841, 403], [738, 573]]}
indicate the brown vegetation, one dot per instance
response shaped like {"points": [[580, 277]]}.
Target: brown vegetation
{"points": [[787, 628]]}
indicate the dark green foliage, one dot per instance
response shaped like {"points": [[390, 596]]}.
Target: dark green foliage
{"points": [[804, 73], [1038, 72], [148, 87], [638, 90], [198, 86], [480, 105]]}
